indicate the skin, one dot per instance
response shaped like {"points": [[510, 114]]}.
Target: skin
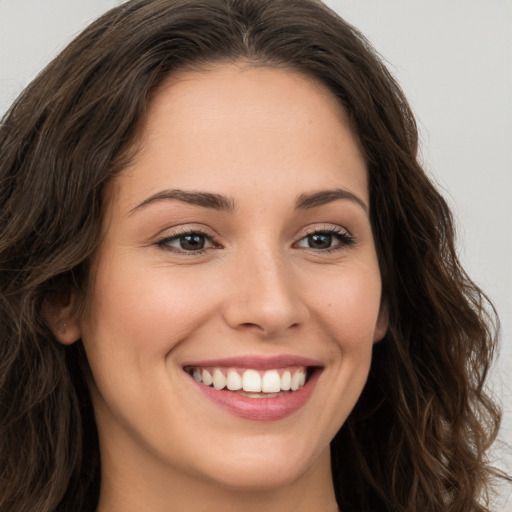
{"points": [[262, 137]]}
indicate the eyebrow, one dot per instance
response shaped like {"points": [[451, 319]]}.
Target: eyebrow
{"points": [[203, 199], [322, 197], [220, 202]]}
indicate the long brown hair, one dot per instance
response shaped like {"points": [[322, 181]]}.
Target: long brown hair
{"points": [[417, 439]]}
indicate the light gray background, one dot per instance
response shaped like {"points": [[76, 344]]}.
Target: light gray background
{"points": [[454, 62]]}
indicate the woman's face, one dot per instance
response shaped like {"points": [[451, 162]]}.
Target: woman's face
{"points": [[237, 249]]}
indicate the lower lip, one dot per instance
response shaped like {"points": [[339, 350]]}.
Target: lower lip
{"points": [[260, 409]]}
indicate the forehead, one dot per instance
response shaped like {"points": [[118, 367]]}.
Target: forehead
{"points": [[207, 129]]}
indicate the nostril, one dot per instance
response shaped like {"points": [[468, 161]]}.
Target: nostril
{"points": [[266, 330]]}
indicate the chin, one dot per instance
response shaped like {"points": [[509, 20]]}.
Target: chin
{"points": [[268, 467], [258, 478]]}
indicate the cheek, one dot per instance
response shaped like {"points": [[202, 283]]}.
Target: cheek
{"points": [[148, 310], [135, 317], [347, 306]]}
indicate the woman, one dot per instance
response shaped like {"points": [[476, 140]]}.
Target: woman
{"points": [[226, 281]]}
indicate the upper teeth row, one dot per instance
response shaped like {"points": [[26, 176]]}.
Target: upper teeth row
{"points": [[252, 380]]}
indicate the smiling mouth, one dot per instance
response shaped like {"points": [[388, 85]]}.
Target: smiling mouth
{"points": [[251, 382]]}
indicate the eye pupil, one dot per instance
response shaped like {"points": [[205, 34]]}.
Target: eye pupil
{"points": [[193, 242], [320, 241]]}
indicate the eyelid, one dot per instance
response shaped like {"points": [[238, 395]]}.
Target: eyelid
{"points": [[345, 238], [324, 228], [163, 240]]}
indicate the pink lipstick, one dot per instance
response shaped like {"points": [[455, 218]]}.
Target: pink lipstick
{"points": [[256, 388]]}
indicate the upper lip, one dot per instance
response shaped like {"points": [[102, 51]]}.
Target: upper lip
{"points": [[256, 362]]}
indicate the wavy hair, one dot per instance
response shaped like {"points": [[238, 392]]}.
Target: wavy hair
{"points": [[418, 436]]}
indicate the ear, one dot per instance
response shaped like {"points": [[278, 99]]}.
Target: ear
{"points": [[63, 321], [381, 327]]}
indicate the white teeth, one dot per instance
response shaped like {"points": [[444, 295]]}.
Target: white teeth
{"points": [[233, 381], [219, 381], [295, 381], [271, 382], [251, 381], [286, 381], [207, 378]]}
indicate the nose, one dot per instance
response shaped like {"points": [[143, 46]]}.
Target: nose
{"points": [[265, 298]]}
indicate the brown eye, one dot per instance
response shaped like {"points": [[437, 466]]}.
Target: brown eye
{"points": [[320, 241], [326, 240], [184, 243], [194, 242]]}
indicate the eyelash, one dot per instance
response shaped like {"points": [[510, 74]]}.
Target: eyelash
{"points": [[344, 240], [163, 243]]}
